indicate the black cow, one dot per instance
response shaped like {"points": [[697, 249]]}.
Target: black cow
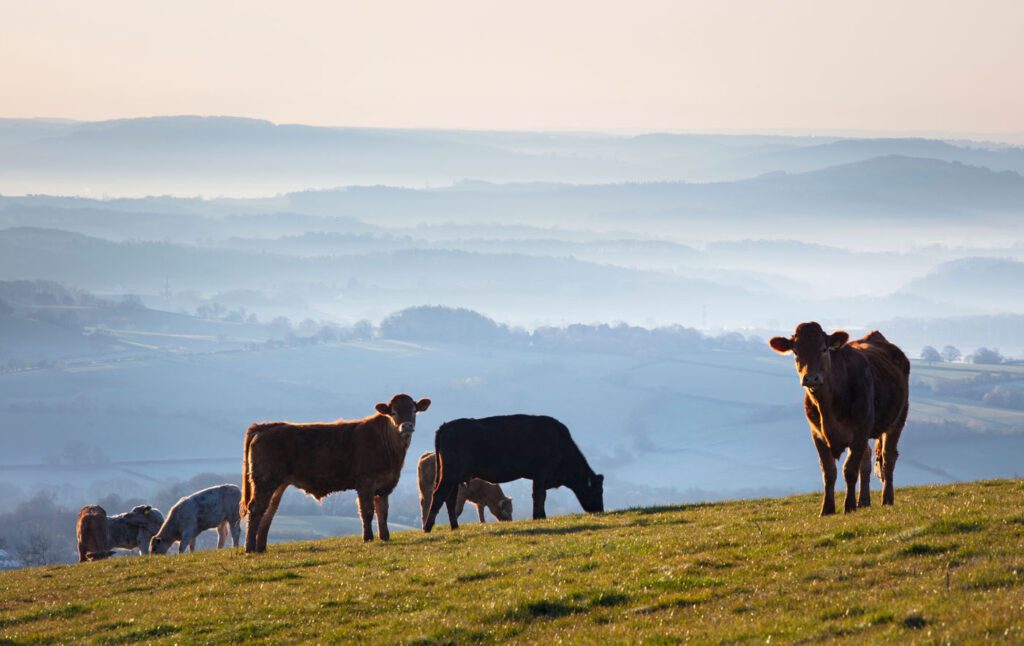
{"points": [[509, 447]]}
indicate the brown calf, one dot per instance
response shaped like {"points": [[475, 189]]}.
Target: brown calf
{"points": [[366, 455], [91, 531], [479, 492], [852, 392]]}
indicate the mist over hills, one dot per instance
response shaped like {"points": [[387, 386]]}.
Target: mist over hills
{"points": [[612, 281], [189, 155]]}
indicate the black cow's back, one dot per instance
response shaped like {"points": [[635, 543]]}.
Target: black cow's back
{"points": [[509, 447]]}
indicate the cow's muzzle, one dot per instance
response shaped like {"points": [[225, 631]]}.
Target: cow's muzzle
{"points": [[407, 429], [811, 381]]}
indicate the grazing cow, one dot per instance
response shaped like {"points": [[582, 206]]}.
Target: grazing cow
{"points": [[206, 509], [135, 528], [91, 530], [479, 492], [852, 392], [366, 455], [509, 447]]}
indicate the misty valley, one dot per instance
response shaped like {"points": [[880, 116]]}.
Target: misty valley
{"points": [[568, 275]]}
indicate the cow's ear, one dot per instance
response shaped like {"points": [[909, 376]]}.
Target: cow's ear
{"points": [[383, 409], [422, 405], [781, 344], [837, 339]]}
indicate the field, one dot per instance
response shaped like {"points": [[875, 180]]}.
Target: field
{"points": [[945, 565]]}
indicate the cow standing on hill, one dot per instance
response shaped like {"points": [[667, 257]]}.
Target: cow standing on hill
{"points": [[214, 507], [479, 492], [506, 448], [134, 529], [366, 455], [91, 531], [852, 392]]}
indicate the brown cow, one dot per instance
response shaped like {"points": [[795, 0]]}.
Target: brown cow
{"points": [[91, 530], [366, 455], [479, 492], [852, 392]]}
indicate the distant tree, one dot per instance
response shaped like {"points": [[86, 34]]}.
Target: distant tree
{"points": [[951, 354], [362, 330], [328, 333], [308, 327], [281, 326], [5, 308], [131, 302], [34, 546], [445, 324], [986, 356], [930, 354]]}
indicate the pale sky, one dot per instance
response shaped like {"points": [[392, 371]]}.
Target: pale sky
{"points": [[893, 65]]}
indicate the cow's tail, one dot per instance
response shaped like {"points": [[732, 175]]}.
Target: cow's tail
{"points": [[437, 459], [243, 506]]}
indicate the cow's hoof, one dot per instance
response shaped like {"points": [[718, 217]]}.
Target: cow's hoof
{"points": [[367, 539], [827, 511], [385, 537]]}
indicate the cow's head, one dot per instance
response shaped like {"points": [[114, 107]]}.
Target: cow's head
{"points": [[590, 492], [811, 348], [158, 545], [402, 412], [146, 517], [504, 509]]}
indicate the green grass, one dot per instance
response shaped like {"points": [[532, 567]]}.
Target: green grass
{"points": [[945, 565]]}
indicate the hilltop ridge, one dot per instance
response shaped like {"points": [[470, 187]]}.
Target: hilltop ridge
{"points": [[944, 565]]}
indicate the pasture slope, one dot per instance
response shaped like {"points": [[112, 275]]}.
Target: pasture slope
{"points": [[945, 565]]}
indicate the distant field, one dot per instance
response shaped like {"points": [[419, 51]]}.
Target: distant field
{"points": [[945, 565], [697, 426]]}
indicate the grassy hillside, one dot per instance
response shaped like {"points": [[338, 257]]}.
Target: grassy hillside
{"points": [[946, 564]]}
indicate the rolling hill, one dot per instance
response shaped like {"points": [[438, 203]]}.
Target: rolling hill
{"points": [[944, 566]]}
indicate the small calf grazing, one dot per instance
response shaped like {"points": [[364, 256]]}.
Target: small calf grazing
{"points": [[509, 447], [366, 455], [134, 529], [91, 531], [852, 392], [215, 507], [479, 492]]}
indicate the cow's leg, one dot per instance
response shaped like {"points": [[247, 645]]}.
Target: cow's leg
{"points": [[380, 505], [222, 534], [424, 509], [452, 503], [268, 517], [186, 539], [851, 472], [365, 500], [438, 498], [540, 494], [480, 512], [828, 475], [83, 554], [236, 531], [865, 479], [460, 502], [888, 466], [263, 491], [192, 543]]}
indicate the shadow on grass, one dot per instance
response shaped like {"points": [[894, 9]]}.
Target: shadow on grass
{"points": [[661, 509], [529, 611], [552, 531], [63, 612]]}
